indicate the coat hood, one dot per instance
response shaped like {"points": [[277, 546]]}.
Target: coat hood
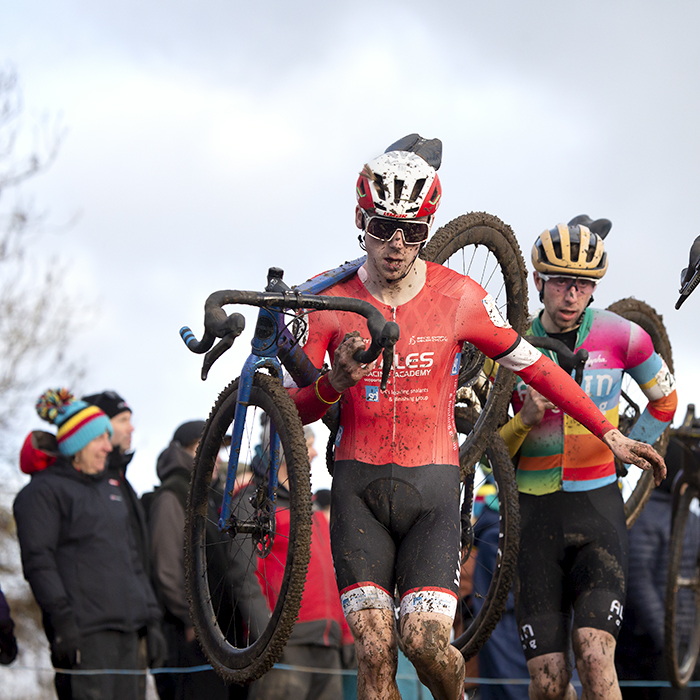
{"points": [[173, 457]]}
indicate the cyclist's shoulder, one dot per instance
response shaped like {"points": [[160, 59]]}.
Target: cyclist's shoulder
{"points": [[350, 286], [607, 316], [614, 327], [608, 327], [451, 283]]}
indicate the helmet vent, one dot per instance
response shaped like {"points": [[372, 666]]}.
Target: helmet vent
{"points": [[398, 189], [417, 189], [379, 184]]}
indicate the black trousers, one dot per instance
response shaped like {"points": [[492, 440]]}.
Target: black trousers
{"points": [[103, 650]]}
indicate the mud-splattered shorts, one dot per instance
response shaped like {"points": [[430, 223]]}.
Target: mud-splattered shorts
{"points": [[573, 558], [396, 527]]}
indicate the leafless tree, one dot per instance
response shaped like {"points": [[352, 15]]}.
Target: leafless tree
{"points": [[37, 317]]}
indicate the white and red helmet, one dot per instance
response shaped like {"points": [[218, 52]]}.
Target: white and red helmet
{"points": [[399, 184]]}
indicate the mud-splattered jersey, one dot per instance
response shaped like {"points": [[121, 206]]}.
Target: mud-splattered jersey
{"points": [[561, 454], [412, 423]]}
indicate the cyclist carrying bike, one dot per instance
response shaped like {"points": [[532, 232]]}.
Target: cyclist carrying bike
{"points": [[395, 495], [573, 540]]}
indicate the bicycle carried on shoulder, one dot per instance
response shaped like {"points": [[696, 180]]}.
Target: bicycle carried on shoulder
{"points": [[247, 550]]}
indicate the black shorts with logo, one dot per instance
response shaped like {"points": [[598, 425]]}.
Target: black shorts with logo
{"points": [[573, 558], [396, 527]]}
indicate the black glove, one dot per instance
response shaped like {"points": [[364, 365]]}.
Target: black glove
{"points": [[8, 643], [156, 646], [65, 642]]}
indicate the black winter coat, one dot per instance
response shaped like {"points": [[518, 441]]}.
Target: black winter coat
{"points": [[79, 553], [117, 462]]}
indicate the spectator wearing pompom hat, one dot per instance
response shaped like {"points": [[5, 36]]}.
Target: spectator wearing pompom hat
{"points": [[80, 558], [77, 422], [80, 426]]}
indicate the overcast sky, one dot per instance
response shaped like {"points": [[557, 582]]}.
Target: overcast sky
{"points": [[209, 141]]}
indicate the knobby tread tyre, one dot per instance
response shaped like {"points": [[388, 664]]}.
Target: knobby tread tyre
{"points": [[494, 599], [645, 316], [245, 663], [680, 663], [456, 237], [480, 228]]}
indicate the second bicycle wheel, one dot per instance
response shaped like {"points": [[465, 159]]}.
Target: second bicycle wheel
{"points": [[490, 540], [245, 584], [637, 486], [484, 248], [682, 620]]}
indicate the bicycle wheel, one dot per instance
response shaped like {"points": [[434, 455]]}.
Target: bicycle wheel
{"points": [[482, 246], [245, 586], [490, 539], [637, 486], [682, 620]]}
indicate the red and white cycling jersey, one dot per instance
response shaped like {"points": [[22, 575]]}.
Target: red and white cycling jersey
{"points": [[412, 423]]}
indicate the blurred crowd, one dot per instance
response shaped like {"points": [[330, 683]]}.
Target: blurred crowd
{"points": [[107, 568], [108, 572]]}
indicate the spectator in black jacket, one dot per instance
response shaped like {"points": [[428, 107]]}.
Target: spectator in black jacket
{"points": [[166, 517], [119, 414], [80, 557]]}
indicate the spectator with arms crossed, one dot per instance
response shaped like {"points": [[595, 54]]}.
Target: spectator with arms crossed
{"points": [[395, 495], [573, 537]]}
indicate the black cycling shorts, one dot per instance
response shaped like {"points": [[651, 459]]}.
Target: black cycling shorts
{"points": [[573, 558], [396, 527]]}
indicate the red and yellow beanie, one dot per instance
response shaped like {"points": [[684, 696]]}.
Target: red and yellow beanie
{"points": [[78, 423]]}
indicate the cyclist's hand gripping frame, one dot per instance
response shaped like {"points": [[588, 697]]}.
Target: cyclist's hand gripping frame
{"points": [[273, 342]]}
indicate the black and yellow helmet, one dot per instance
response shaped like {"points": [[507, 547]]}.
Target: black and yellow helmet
{"points": [[572, 250]]}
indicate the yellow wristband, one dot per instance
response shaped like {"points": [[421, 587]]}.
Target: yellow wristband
{"points": [[318, 393]]}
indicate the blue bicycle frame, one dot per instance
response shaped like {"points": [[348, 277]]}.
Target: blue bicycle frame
{"points": [[272, 347]]}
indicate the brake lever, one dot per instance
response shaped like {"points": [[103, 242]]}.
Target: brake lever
{"points": [[383, 341], [690, 276], [216, 352], [387, 364]]}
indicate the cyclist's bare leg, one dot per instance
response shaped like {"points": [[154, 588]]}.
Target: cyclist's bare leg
{"points": [[377, 654], [425, 640], [550, 678], [594, 651]]}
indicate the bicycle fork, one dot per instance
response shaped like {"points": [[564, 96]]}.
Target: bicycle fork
{"points": [[263, 355]]}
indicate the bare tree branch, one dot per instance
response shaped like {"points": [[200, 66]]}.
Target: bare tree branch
{"points": [[37, 315]]}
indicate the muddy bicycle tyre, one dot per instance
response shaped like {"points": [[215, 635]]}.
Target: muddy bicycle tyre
{"points": [[266, 552], [484, 248], [682, 613], [646, 317], [490, 533]]}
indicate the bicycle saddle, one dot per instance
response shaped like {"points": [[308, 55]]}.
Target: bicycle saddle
{"points": [[599, 226], [430, 150]]}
